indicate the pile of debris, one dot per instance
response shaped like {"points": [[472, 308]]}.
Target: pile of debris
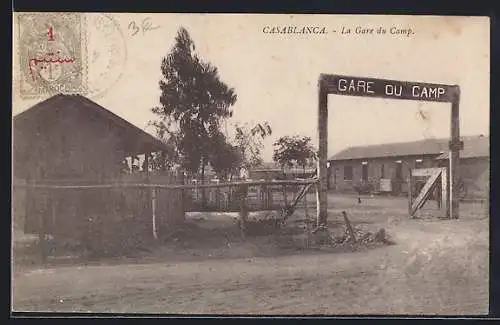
{"points": [[363, 237], [354, 235]]}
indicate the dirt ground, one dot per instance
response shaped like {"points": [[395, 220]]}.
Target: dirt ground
{"points": [[436, 267]]}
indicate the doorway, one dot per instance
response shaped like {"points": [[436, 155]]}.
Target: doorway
{"points": [[364, 172]]}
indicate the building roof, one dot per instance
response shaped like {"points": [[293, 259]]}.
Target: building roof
{"points": [[266, 166], [274, 167], [138, 141], [415, 148], [474, 147]]}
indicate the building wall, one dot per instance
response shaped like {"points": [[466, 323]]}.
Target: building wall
{"points": [[375, 172], [474, 171]]}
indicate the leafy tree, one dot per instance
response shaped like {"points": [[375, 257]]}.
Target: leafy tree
{"points": [[168, 159], [225, 159], [292, 151], [249, 140], [193, 103]]}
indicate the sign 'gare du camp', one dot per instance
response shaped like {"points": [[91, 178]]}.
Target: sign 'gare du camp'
{"points": [[383, 88]]}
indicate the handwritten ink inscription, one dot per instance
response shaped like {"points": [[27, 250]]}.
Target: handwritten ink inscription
{"points": [[144, 26], [51, 54]]}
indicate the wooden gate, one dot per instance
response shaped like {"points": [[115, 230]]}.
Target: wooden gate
{"points": [[434, 176]]}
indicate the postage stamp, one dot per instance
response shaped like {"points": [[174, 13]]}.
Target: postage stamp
{"points": [[52, 54]]}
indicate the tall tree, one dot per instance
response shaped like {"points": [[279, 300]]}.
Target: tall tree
{"points": [[225, 159], [193, 103]]}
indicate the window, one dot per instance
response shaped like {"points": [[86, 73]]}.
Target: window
{"points": [[419, 163], [348, 173], [382, 171]]}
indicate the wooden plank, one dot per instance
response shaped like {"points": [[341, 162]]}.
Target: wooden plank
{"points": [[170, 186], [422, 172], [349, 227], [385, 88], [424, 194]]}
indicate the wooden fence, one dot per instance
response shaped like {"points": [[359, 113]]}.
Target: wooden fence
{"points": [[104, 218], [130, 212], [261, 195]]}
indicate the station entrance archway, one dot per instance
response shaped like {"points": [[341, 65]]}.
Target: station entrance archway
{"points": [[390, 89]]}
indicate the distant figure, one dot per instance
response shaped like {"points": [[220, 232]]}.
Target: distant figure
{"points": [[359, 200]]}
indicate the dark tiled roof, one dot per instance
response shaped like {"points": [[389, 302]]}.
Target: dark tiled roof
{"points": [[141, 139], [414, 148]]}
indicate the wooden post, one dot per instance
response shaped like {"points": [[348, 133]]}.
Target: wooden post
{"points": [[28, 204], [321, 196], [269, 198], [180, 179], [285, 196], [217, 198], [454, 159], [410, 192], [263, 196], [153, 212], [43, 230], [305, 205], [349, 227], [146, 162], [243, 193], [444, 192]]}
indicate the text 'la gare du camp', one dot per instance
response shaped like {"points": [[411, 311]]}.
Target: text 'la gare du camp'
{"points": [[323, 30]]}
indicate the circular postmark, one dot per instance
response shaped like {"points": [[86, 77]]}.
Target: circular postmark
{"points": [[106, 54]]}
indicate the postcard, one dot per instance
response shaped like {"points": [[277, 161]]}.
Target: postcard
{"points": [[250, 164]]}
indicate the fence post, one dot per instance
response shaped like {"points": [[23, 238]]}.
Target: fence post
{"points": [[263, 196], [269, 197], [305, 204], [28, 203], [243, 193], [285, 197], [444, 192], [43, 230], [153, 210], [182, 181], [217, 198]]}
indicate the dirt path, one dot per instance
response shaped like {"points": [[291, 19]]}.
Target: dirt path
{"points": [[436, 268]]}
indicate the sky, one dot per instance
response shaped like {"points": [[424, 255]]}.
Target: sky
{"points": [[275, 75]]}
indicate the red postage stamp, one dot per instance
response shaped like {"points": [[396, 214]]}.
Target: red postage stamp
{"points": [[52, 54]]}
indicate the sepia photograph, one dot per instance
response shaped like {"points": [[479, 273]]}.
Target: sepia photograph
{"points": [[250, 164]]}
